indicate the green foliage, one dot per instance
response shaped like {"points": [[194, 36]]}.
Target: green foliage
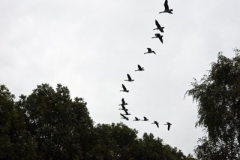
{"points": [[211, 150], [49, 125], [117, 141], [61, 127], [218, 97], [153, 148], [113, 141], [14, 141]]}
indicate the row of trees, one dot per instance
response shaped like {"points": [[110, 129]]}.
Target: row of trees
{"points": [[218, 98], [48, 124]]}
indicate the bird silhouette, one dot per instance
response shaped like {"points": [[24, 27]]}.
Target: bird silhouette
{"points": [[140, 68], [145, 119], [166, 10], [158, 26], [155, 122], [123, 102], [149, 51], [169, 125], [124, 117], [159, 36], [136, 119], [124, 89], [126, 113], [129, 78], [123, 108]]}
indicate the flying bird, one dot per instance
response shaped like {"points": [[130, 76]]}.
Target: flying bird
{"points": [[136, 119], [145, 119], [159, 36], [124, 117], [166, 10], [158, 26], [155, 122], [169, 125], [140, 68], [149, 51], [123, 102], [124, 89], [123, 108], [129, 78]]}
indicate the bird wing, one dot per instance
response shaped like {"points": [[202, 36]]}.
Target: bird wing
{"points": [[123, 101], [123, 107], [169, 125], [149, 50], [124, 88], [139, 67], [126, 111], [123, 116], [129, 77], [161, 39], [157, 24], [166, 5]]}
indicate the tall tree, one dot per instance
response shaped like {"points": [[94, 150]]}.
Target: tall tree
{"points": [[218, 98], [14, 140], [60, 126]]}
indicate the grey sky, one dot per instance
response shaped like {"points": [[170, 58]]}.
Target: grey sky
{"points": [[90, 46]]}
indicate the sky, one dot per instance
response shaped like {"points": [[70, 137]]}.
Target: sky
{"points": [[90, 47]]}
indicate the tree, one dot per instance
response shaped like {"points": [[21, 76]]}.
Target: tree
{"points": [[49, 125], [14, 141], [149, 147], [117, 141], [218, 98], [60, 127], [113, 141], [210, 150]]}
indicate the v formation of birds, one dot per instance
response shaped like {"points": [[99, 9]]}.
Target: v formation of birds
{"points": [[140, 68]]}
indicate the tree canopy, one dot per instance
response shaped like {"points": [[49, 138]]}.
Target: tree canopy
{"points": [[218, 98], [48, 124]]}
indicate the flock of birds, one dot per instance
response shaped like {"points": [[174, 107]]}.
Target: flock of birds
{"points": [[140, 68]]}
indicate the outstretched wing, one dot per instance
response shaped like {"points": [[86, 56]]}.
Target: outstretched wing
{"points": [[139, 67], [123, 101], [124, 88], [157, 24], [157, 124], [124, 116], [126, 112], [161, 39], [166, 5], [169, 126], [123, 107], [129, 77]]}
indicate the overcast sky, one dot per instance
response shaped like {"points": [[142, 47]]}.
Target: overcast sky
{"points": [[90, 46]]}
